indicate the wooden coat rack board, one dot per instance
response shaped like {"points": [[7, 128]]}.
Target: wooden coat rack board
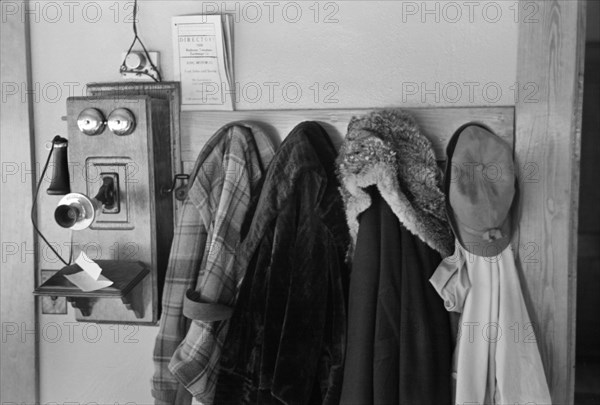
{"points": [[437, 124]]}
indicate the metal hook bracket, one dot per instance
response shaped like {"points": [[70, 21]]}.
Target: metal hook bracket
{"points": [[181, 191]]}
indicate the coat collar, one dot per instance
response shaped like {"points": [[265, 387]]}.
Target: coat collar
{"points": [[386, 149]]}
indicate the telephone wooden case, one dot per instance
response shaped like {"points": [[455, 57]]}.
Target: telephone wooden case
{"points": [[138, 229]]}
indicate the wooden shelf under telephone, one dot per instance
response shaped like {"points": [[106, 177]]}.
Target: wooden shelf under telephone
{"points": [[125, 275]]}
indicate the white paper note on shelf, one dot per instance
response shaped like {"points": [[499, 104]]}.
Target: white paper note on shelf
{"points": [[90, 278], [203, 58]]}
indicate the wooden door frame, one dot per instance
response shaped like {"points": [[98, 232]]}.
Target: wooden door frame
{"points": [[550, 60], [19, 345]]}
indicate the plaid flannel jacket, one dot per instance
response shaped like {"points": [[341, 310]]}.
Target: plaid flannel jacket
{"points": [[200, 272]]}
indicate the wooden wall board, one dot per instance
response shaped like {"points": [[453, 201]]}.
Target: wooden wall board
{"points": [[438, 124], [547, 133], [18, 350]]}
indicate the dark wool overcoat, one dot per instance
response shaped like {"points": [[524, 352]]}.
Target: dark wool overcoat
{"points": [[399, 345]]}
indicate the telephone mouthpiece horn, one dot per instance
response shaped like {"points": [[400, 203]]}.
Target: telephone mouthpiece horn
{"points": [[75, 211]]}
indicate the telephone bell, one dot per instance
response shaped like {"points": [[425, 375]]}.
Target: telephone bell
{"points": [[91, 121]]}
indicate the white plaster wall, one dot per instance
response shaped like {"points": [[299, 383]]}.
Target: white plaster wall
{"points": [[372, 54]]}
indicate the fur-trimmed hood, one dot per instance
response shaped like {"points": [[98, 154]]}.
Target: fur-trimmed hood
{"points": [[386, 149]]}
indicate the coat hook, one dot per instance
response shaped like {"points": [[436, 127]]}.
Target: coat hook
{"points": [[181, 191]]}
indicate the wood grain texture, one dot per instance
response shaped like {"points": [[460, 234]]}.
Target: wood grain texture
{"points": [[547, 139], [438, 124], [18, 356], [143, 229], [170, 91]]}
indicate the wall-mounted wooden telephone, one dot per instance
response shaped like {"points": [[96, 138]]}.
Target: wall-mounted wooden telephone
{"points": [[119, 151]]}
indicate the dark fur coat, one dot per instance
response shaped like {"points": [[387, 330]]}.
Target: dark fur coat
{"points": [[286, 338]]}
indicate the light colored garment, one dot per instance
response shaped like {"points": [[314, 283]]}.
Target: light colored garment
{"points": [[497, 360]]}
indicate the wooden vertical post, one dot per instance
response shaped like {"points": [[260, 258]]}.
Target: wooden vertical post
{"points": [[18, 363], [547, 146]]}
